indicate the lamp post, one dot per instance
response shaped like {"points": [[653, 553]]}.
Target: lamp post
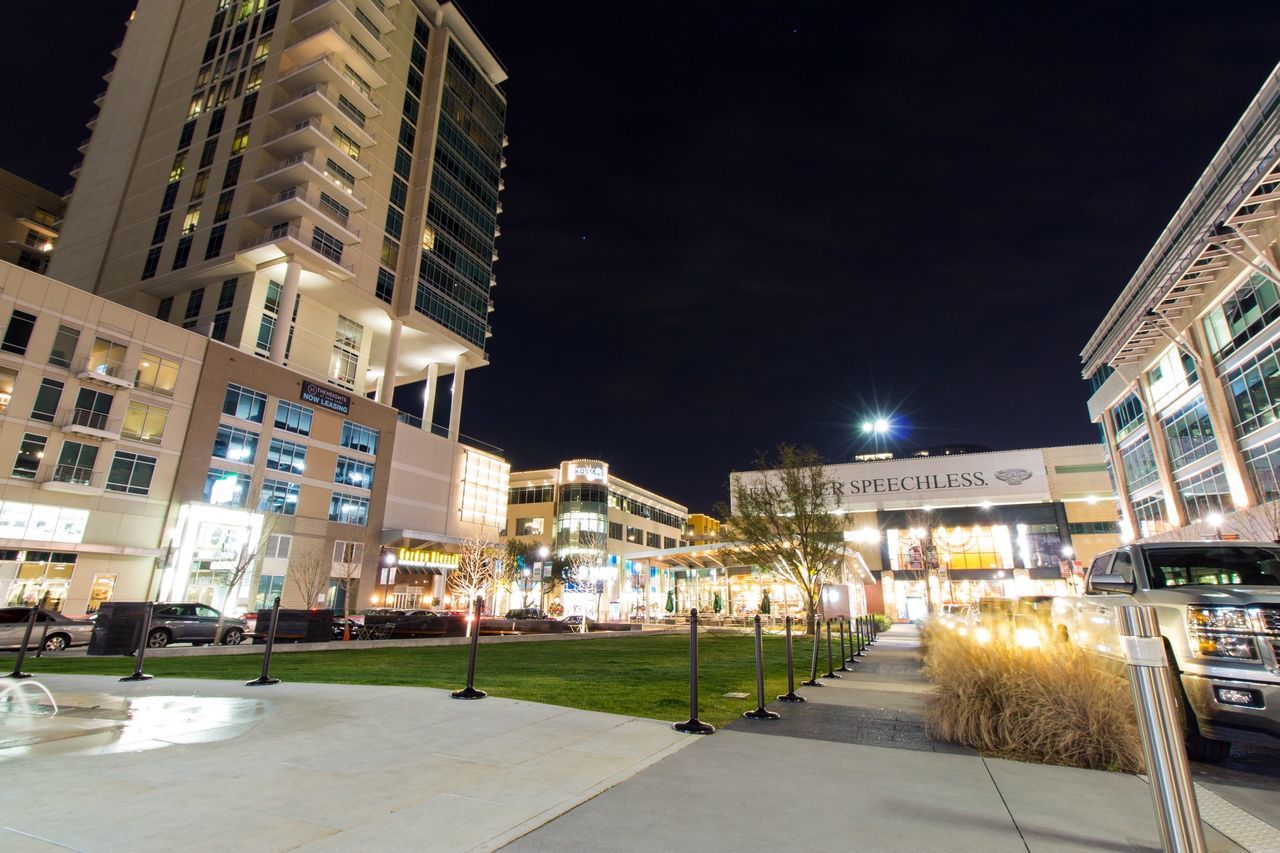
{"points": [[386, 572], [1215, 520], [528, 585], [543, 553]]}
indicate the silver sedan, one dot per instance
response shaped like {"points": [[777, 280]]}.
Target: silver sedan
{"points": [[59, 632]]}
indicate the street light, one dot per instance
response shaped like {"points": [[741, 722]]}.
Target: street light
{"points": [[1215, 520], [878, 426]]}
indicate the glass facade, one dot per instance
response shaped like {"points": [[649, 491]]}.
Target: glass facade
{"points": [[1204, 493], [1139, 462], [457, 257], [1263, 466], [1242, 315], [1127, 416], [1189, 434], [1254, 389]]}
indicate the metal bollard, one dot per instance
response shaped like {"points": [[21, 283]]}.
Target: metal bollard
{"points": [[830, 673], [470, 692], [790, 695], [693, 725], [844, 666], [875, 629], [761, 712], [265, 678], [44, 635], [864, 636], [1172, 792], [138, 674], [22, 650], [813, 670]]}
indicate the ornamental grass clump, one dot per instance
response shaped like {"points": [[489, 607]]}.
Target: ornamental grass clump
{"points": [[1056, 704]]}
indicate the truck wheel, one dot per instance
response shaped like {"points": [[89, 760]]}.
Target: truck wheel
{"points": [[1199, 747]]}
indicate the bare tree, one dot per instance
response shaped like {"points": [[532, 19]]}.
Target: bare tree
{"points": [[588, 554], [346, 573], [478, 564], [309, 574], [233, 571], [783, 524]]}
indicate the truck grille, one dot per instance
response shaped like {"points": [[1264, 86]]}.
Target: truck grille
{"points": [[1270, 619]]}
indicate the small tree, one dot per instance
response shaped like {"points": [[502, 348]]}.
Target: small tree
{"points": [[346, 572], [589, 554], [309, 574], [479, 557], [518, 558], [782, 524], [242, 563]]}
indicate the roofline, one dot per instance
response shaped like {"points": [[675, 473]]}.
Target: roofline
{"points": [[1098, 446]]}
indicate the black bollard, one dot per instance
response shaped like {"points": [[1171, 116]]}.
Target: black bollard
{"points": [[813, 670], [44, 635], [863, 633], [790, 695], [760, 713], [22, 650], [470, 692], [843, 667], [138, 674], [693, 725], [830, 673], [265, 678], [875, 629]]}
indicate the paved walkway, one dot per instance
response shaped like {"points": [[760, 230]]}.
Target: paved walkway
{"points": [[853, 767], [212, 765]]}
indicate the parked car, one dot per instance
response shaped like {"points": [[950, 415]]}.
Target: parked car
{"points": [[62, 631], [1218, 604], [526, 613], [186, 622]]}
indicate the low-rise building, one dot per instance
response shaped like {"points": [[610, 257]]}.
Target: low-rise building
{"points": [[29, 219]]}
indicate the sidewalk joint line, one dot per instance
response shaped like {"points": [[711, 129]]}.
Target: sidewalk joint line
{"points": [[1000, 793]]}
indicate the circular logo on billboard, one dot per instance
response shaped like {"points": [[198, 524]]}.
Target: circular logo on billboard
{"points": [[1014, 476]]}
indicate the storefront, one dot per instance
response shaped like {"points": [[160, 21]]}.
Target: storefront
{"points": [[211, 557], [417, 580]]}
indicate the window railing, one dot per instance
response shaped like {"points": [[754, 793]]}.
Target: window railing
{"points": [[73, 475], [88, 419], [96, 367], [311, 200], [290, 230]]}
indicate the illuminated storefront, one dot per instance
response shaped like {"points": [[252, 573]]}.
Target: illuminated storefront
{"points": [[418, 579], [207, 545]]}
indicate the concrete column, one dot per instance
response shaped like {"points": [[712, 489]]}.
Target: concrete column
{"points": [[429, 395], [391, 366], [1243, 493], [1173, 504], [284, 317], [455, 407], [1128, 522]]}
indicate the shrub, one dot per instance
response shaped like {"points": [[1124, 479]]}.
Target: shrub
{"points": [[883, 623], [1056, 704]]}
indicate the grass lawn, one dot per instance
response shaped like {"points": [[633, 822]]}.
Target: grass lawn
{"points": [[637, 676]]}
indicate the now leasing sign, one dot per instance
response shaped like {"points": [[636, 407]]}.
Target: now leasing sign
{"points": [[1015, 476], [326, 398]]}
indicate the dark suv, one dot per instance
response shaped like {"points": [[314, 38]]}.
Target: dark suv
{"points": [[187, 622]]}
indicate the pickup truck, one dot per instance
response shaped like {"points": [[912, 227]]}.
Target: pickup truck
{"points": [[1218, 603]]}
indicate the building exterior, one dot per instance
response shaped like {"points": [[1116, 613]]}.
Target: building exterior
{"points": [[956, 528], [95, 402], [1184, 369], [701, 529], [314, 182], [29, 217], [593, 521]]}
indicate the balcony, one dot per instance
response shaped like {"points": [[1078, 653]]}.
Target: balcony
{"points": [[106, 373], [322, 100], [335, 39], [303, 168], [287, 240], [328, 70], [296, 202], [307, 135], [364, 18], [74, 479], [85, 422]]}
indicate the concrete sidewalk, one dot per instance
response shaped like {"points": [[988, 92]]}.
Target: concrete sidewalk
{"points": [[213, 765], [852, 766]]}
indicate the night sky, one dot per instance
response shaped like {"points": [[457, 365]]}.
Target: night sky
{"points": [[729, 225]]}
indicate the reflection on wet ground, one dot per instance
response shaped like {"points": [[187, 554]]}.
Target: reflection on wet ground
{"points": [[33, 724]]}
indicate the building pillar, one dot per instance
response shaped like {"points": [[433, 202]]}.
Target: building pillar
{"points": [[1160, 448], [455, 406], [1243, 493], [284, 314], [1128, 522], [387, 387], [429, 395]]}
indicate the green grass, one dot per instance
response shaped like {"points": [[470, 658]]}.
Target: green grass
{"points": [[637, 676]]}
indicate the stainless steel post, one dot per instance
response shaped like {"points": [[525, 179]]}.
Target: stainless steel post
{"points": [[1172, 791]]}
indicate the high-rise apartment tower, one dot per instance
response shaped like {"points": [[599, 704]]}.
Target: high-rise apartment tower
{"points": [[314, 181]]}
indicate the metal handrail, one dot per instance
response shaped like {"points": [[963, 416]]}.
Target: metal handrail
{"points": [[72, 474], [89, 419], [116, 370], [293, 231], [310, 200]]}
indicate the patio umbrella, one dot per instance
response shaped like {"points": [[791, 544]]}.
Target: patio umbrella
{"points": [[766, 606], [671, 601]]}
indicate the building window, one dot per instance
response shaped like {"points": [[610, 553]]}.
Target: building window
{"points": [[162, 228], [339, 211], [345, 359], [288, 456], [179, 164], [195, 301], [529, 526], [164, 309], [532, 495], [107, 357], [1127, 416], [213, 248], [232, 175], [653, 540], [191, 220], [293, 418], [361, 438], [1242, 315], [64, 346], [46, 404], [326, 244], [390, 255], [278, 496], [199, 185], [131, 473], [349, 509], [346, 144], [353, 472], [91, 409], [615, 530], [8, 378], [144, 422], [278, 546], [1189, 434], [221, 322], [30, 452], [182, 253], [158, 375], [222, 212], [266, 331], [226, 488], [170, 196], [340, 176], [18, 333], [1093, 528], [152, 262], [1204, 493], [1255, 390], [75, 463], [241, 140], [244, 403], [206, 155], [635, 534], [1263, 463], [1139, 462], [235, 444], [386, 285]]}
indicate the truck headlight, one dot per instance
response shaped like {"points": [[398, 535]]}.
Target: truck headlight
{"points": [[1221, 632]]}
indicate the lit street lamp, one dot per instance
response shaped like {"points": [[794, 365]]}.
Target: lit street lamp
{"points": [[876, 426], [1215, 520]]}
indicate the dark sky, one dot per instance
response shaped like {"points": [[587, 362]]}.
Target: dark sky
{"points": [[733, 224]]}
